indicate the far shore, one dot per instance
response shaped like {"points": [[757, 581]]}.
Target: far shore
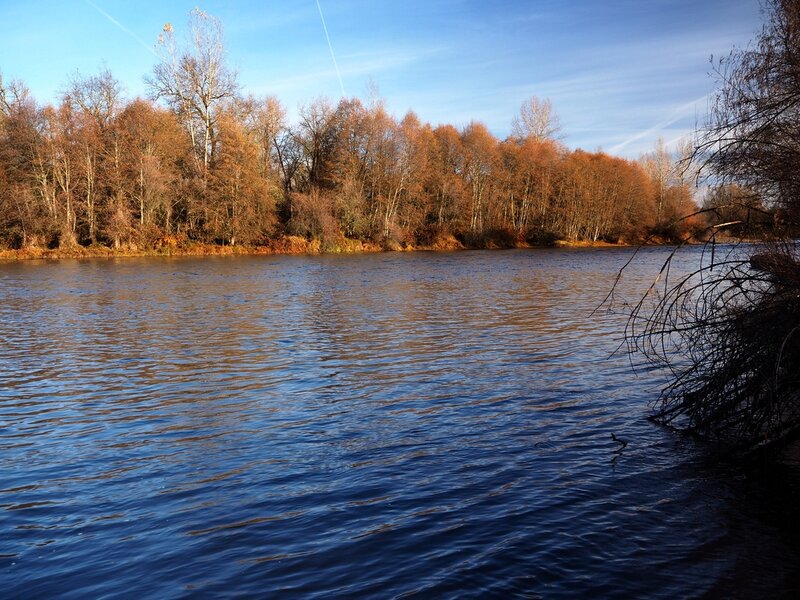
{"points": [[287, 245]]}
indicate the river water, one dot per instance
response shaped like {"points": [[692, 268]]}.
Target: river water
{"points": [[392, 425]]}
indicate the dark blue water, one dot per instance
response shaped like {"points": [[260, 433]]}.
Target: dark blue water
{"points": [[394, 425]]}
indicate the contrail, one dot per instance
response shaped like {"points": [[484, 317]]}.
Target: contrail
{"points": [[676, 116], [122, 27], [330, 47]]}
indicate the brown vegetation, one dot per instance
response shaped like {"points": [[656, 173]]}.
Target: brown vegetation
{"points": [[730, 331], [202, 163]]}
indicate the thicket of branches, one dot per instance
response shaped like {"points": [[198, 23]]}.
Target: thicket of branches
{"points": [[730, 331], [199, 160]]}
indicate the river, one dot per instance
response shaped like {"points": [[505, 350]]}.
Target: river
{"points": [[421, 425]]}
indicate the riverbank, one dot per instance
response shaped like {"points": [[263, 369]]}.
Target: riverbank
{"points": [[291, 245]]}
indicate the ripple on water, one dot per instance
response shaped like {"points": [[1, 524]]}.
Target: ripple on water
{"points": [[390, 425]]}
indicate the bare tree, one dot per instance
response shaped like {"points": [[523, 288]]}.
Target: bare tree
{"points": [[316, 136], [13, 96], [194, 80], [661, 168], [730, 331], [537, 120], [97, 96], [753, 133]]}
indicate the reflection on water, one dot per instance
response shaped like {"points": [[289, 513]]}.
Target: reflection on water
{"points": [[424, 425]]}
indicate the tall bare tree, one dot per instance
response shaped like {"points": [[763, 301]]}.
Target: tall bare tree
{"points": [[536, 119], [194, 80]]}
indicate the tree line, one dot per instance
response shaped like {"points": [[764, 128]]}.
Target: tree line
{"points": [[200, 161]]}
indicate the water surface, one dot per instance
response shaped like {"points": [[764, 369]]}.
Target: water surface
{"points": [[393, 425]]}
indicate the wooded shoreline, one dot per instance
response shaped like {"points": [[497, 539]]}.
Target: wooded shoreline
{"points": [[202, 167], [285, 245]]}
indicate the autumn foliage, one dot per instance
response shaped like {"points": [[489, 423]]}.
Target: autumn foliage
{"points": [[210, 165]]}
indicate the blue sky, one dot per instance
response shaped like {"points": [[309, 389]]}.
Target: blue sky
{"points": [[619, 73]]}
